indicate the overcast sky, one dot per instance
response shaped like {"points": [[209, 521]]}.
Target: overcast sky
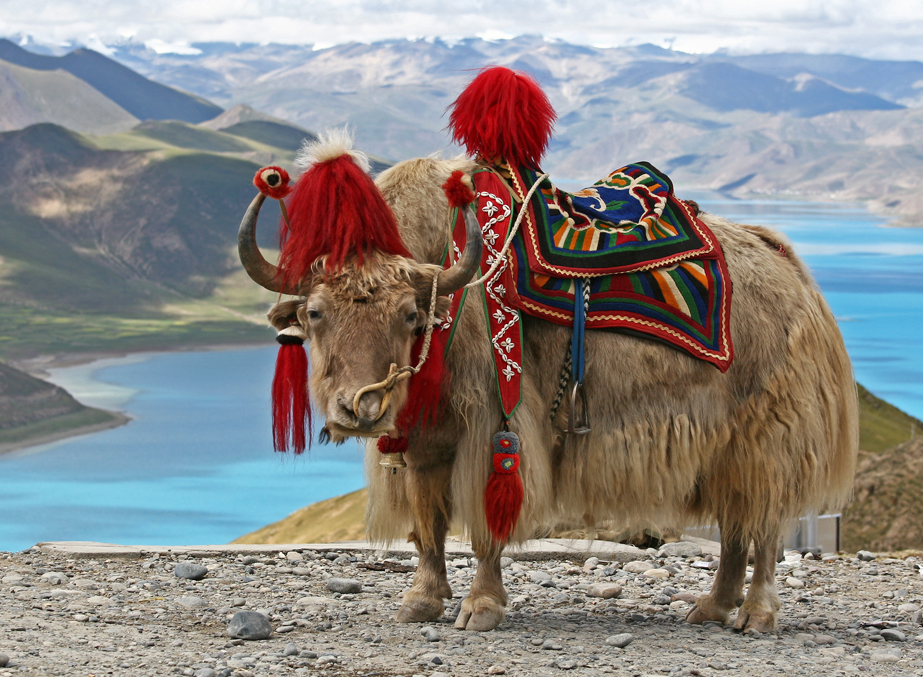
{"points": [[891, 29]]}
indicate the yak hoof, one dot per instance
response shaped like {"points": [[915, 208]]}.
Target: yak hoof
{"points": [[418, 608], [480, 615], [705, 609], [755, 620]]}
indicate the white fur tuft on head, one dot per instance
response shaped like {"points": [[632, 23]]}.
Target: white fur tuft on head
{"points": [[330, 144]]}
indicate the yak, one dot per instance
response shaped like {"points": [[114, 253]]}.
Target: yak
{"points": [[674, 440]]}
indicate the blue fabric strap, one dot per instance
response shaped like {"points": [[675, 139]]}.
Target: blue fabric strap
{"points": [[576, 345]]}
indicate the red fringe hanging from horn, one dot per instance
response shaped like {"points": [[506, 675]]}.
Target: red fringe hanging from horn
{"points": [[291, 408], [503, 114], [336, 209]]}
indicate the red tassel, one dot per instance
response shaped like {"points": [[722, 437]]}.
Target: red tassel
{"points": [[503, 114], [457, 191], [425, 387], [291, 407], [503, 494], [336, 209]]}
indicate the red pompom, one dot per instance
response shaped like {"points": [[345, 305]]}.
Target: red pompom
{"points": [[503, 114], [291, 407], [336, 209], [272, 182], [458, 192], [392, 445]]}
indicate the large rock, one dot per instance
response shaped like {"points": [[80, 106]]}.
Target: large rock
{"points": [[249, 625], [190, 571]]}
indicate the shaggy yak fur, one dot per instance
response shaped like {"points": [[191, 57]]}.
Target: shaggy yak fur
{"points": [[674, 440]]}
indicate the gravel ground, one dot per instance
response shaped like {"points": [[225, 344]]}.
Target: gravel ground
{"points": [[67, 615]]}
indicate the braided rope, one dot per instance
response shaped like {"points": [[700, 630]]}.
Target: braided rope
{"points": [[562, 385], [568, 362]]}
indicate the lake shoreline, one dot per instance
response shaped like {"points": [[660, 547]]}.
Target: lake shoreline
{"points": [[41, 366], [117, 419]]}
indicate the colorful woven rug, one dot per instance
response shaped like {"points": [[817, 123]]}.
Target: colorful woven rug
{"points": [[653, 268]]}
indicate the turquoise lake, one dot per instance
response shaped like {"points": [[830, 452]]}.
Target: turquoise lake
{"points": [[196, 465]]}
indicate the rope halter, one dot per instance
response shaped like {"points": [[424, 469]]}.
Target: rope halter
{"points": [[397, 374]]}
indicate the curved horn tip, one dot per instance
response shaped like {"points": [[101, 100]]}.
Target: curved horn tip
{"points": [[258, 268], [454, 278]]}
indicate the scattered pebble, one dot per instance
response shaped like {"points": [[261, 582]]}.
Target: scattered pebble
{"points": [[604, 590], [430, 634], [621, 641], [865, 555], [638, 567], [346, 586], [589, 615], [680, 549], [893, 635], [193, 602]]}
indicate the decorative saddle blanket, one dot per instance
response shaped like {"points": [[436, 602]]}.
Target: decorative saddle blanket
{"points": [[652, 267]]}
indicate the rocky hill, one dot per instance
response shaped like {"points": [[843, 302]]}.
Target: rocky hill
{"points": [[887, 511]]}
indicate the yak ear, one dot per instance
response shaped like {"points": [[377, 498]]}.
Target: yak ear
{"points": [[284, 314]]}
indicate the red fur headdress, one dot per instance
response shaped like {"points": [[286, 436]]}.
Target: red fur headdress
{"points": [[335, 210], [503, 114]]}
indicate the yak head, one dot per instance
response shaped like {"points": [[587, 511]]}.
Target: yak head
{"points": [[360, 318]]}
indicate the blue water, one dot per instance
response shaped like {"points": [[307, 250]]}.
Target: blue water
{"points": [[196, 465], [872, 277]]}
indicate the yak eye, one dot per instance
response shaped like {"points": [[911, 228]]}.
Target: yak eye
{"points": [[313, 314], [412, 318]]}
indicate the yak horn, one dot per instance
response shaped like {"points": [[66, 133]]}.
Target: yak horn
{"points": [[259, 269], [454, 278]]}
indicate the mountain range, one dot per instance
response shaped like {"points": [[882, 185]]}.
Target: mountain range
{"points": [[819, 127]]}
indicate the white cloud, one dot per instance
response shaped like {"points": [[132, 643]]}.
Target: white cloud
{"points": [[874, 28]]}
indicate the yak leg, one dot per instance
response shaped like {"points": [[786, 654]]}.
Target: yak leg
{"points": [[485, 606], [427, 492], [759, 610], [726, 590]]}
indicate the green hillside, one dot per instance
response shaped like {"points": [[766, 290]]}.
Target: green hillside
{"points": [[28, 97], [182, 135], [34, 410], [270, 133], [124, 249]]}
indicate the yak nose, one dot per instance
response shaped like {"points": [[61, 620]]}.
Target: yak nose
{"points": [[368, 410]]}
